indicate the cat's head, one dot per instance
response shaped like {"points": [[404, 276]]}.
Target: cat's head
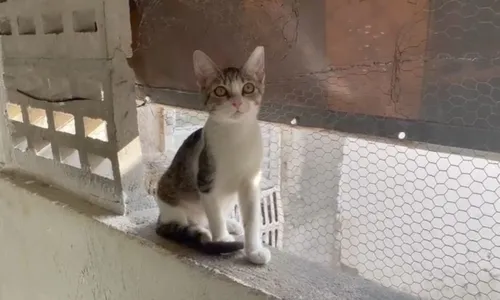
{"points": [[231, 94]]}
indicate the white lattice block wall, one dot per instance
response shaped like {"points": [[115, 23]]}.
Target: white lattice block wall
{"points": [[68, 95], [64, 29]]}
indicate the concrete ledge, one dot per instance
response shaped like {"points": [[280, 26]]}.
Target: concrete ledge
{"points": [[57, 246]]}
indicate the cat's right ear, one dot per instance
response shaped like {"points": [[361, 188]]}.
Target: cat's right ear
{"points": [[205, 69]]}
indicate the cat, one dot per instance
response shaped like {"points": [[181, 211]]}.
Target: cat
{"points": [[218, 165]]}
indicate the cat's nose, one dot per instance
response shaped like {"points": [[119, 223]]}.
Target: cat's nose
{"points": [[236, 104]]}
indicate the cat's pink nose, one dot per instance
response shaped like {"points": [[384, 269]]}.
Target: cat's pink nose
{"points": [[236, 104]]}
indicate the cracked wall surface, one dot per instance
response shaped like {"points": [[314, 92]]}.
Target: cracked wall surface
{"points": [[319, 53], [427, 68]]}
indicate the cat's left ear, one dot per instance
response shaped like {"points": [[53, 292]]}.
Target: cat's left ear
{"points": [[204, 68], [255, 64]]}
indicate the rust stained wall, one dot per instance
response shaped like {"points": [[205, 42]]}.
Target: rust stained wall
{"points": [[329, 54], [376, 50], [167, 33]]}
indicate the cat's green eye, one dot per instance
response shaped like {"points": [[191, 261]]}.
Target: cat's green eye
{"points": [[248, 88], [220, 91]]}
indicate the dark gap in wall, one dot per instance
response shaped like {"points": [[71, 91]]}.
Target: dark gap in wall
{"points": [[5, 27], [84, 21], [52, 23], [26, 25]]}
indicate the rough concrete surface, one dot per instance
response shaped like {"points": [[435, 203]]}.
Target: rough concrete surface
{"points": [[53, 249]]}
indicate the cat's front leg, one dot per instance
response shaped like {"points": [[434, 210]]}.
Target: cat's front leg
{"points": [[249, 195], [216, 218]]}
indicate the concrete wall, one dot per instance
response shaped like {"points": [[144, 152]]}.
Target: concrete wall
{"points": [[49, 252]]}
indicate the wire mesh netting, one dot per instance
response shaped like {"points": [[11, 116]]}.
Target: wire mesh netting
{"points": [[421, 218], [380, 123]]}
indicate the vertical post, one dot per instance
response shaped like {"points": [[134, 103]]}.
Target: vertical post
{"points": [[4, 134]]}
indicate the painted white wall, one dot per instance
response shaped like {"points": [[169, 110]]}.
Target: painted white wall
{"points": [[50, 252]]}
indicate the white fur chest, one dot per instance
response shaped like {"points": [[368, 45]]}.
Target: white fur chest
{"points": [[237, 149]]}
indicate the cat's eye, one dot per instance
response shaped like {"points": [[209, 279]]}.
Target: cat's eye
{"points": [[248, 88], [220, 91]]}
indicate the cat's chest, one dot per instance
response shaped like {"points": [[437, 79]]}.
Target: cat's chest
{"points": [[239, 157], [237, 154]]}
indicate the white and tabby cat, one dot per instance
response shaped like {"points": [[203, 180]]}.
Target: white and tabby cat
{"points": [[218, 165]]}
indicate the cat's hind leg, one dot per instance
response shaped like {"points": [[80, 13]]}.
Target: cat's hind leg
{"points": [[174, 220], [182, 225]]}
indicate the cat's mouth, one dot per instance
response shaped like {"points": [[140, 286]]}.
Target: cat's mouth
{"points": [[236, 116]]}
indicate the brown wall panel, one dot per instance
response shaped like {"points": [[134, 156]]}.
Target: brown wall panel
{"points": [[376, 51], [338, 55]]}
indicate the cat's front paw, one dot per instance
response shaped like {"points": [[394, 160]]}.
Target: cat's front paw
{"points": [[259, 256], [234, 227], [225, 238]]}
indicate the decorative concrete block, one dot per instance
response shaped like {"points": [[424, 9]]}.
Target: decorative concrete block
{"points": [[68, 96]]}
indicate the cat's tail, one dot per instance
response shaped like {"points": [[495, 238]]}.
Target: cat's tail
{"points": [[192, 237]]}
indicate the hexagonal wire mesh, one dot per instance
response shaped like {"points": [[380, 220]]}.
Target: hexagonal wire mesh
{"points": [[421, 216]]}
